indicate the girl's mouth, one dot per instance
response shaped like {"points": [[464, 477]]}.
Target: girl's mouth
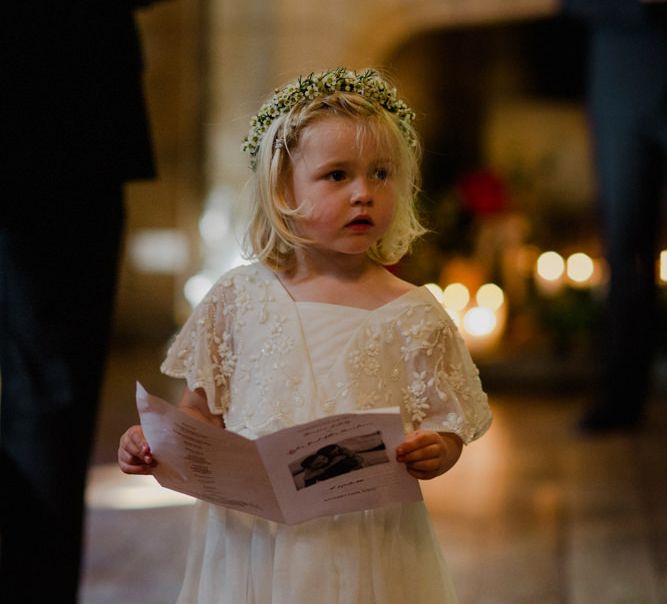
{"points": [[362, 222]]}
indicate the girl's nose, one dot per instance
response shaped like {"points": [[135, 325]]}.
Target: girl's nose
{"points": [[361, 194]]}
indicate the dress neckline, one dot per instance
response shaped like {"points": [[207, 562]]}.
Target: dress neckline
{"points": [[416, 291], [338, 307]]}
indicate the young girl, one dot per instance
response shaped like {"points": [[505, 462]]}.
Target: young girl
{"points": [[318, 326]]}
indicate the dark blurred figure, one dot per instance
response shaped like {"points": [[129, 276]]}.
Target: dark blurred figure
{"points": [[74, 132], [628, 109]]}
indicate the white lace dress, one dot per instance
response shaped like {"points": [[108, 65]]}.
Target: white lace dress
{"points": [[266, 363]]}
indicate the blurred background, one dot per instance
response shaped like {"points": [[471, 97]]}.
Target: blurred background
{"points": [[498, 88], [534, 512]]}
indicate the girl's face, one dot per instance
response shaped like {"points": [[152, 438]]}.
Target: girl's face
{"points": [[345, 186]]}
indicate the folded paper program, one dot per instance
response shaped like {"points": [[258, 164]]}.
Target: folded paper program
{"points": [[336, 464]]}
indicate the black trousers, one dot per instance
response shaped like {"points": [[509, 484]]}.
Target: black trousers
{"points": [[628, 102], [58, 272]]}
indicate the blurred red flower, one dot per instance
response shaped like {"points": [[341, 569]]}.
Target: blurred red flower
{"points": [[482, 192]]}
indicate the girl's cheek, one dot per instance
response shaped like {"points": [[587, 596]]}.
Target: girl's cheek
{"points": [[308, 209]]}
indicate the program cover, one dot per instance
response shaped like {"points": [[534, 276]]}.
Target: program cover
{"points": [[336, 464]]}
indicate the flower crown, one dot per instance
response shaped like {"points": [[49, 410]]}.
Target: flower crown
{"points": [[367, 83]]}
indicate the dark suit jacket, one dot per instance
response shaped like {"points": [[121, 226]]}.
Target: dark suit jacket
{"points": [[73, 82]]}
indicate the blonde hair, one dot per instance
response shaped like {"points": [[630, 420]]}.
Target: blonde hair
{"points": [[270, 237]]}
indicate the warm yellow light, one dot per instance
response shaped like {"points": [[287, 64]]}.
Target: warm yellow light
{"points": [[479, 321], [490, 296], [550, 266], [456, 296], [580, 267], [663, 266]]}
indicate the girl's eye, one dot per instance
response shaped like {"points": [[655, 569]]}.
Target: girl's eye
{"points": [[336, 175], [382, 173]]}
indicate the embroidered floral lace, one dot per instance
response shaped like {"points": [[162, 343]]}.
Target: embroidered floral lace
{"points": [[244, 346]]}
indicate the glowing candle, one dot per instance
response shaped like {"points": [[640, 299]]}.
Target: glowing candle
{"points": [[479, 321], [549, 272], [580, 269], [455, 296], [490, 296]]}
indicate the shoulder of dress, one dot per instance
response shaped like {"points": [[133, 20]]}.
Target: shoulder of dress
{"points": [[243, 271], [239, 278], [251, 274], [418, 321], [419, 305]]}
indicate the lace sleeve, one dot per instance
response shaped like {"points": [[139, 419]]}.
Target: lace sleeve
{"points": [[444, 392], [202, 352]]}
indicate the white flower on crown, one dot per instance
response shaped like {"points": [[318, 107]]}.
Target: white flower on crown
{"points": [[367, 83]]}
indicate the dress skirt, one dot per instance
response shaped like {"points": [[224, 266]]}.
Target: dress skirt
{"points": [[388, 555]]}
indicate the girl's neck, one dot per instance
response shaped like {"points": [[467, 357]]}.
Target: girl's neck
{"points": [[312, 265], [345, 280]]}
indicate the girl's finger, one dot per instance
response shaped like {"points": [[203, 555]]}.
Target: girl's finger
{"points": [[134, 441], [131, 448], [429, 465], [428, 452], [418, 440], [137, 436], [422, 474], [126, 457], [132, 465]]}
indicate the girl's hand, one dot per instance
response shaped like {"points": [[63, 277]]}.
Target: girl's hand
{"points": [[134, 454], [428, 454]]}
